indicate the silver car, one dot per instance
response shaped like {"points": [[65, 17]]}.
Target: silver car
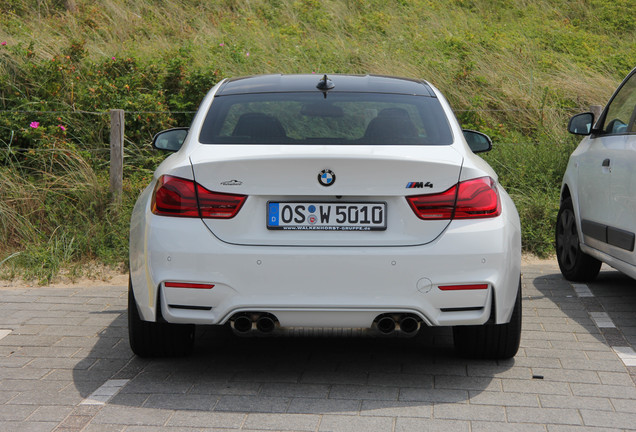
{"points": [[597, 217]]}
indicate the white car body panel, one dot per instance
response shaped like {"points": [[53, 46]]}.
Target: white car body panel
{"points": [[623, 192], [594, 186], [618, 264]]}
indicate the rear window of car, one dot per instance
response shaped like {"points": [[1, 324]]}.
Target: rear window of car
{"points": [[338, 119]]}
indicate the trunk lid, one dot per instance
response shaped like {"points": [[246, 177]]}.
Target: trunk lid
{"points": [[378, 177]]}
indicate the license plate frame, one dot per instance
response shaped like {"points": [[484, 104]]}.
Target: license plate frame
{"points": [[328, 216]]}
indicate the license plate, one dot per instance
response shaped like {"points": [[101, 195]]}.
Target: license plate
{"points": [[359, 216]]}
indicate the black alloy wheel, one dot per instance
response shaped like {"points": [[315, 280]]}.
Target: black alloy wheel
{"points": [[575, 265]]}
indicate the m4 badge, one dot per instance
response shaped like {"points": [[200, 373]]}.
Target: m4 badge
{"points": [[419, 185]]}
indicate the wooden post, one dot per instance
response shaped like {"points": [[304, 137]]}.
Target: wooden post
{"points": [[70, 5], [116, 153]]}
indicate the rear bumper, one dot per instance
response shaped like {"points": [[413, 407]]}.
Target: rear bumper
{"points": [[325, 286]]}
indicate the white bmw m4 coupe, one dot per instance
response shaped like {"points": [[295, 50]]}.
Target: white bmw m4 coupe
{"points": [[341, 202]]}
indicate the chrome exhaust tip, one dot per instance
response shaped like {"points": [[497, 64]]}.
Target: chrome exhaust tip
{"points": [[242, 324], [265, 324], [386, 325], [409, 325]]}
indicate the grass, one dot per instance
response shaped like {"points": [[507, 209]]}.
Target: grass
{"points": [[515, 70], [58, 218], [531, 174]]}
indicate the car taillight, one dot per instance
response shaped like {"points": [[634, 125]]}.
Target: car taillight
{"points": [[470, 199], [477, 198], [434, 206], [175, 196]]}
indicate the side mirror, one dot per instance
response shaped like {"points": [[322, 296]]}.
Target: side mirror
{"points": [[581, 124], [477, 141], [170, 140]]}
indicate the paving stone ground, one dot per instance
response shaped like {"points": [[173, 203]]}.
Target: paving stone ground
{"points": [[65, 366]]}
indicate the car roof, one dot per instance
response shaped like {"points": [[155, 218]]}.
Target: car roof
{"points": [[308, 83]]}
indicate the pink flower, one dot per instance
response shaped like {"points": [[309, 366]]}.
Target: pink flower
{"points": [[112, 58], [247, 55], [35, 125], [3, 43], [62, 127], [221, 44]]}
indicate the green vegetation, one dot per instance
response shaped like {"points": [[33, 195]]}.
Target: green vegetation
{"points": [[513, 69]]}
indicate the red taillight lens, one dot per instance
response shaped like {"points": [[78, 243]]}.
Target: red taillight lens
{"points": [[175, 196], [434, 206], [470, 199], [216, 205], [477, 198]]}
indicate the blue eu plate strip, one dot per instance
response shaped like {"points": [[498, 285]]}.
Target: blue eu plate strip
{"points": [[273, 214]]}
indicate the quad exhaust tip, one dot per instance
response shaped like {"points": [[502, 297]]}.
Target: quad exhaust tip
{"points": [[386, 325], [409, 325], [265, 323], [406, 324], [242, 324], [254, 321]]}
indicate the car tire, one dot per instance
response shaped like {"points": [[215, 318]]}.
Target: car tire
{"points": [[491, 341], [575, 265], [157, 339]]}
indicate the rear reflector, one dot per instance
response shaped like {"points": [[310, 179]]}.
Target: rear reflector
{"points": [[463, 287], [187, 285], [176, 196], [470, 199]]}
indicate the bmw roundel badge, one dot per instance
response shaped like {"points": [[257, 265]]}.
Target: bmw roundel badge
{"points": [[326, 177]]}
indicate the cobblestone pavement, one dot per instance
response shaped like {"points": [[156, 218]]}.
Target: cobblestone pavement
{"points": [[65, 365]]}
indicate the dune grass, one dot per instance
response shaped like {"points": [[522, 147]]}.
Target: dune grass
{"points": [[513, 69]]}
